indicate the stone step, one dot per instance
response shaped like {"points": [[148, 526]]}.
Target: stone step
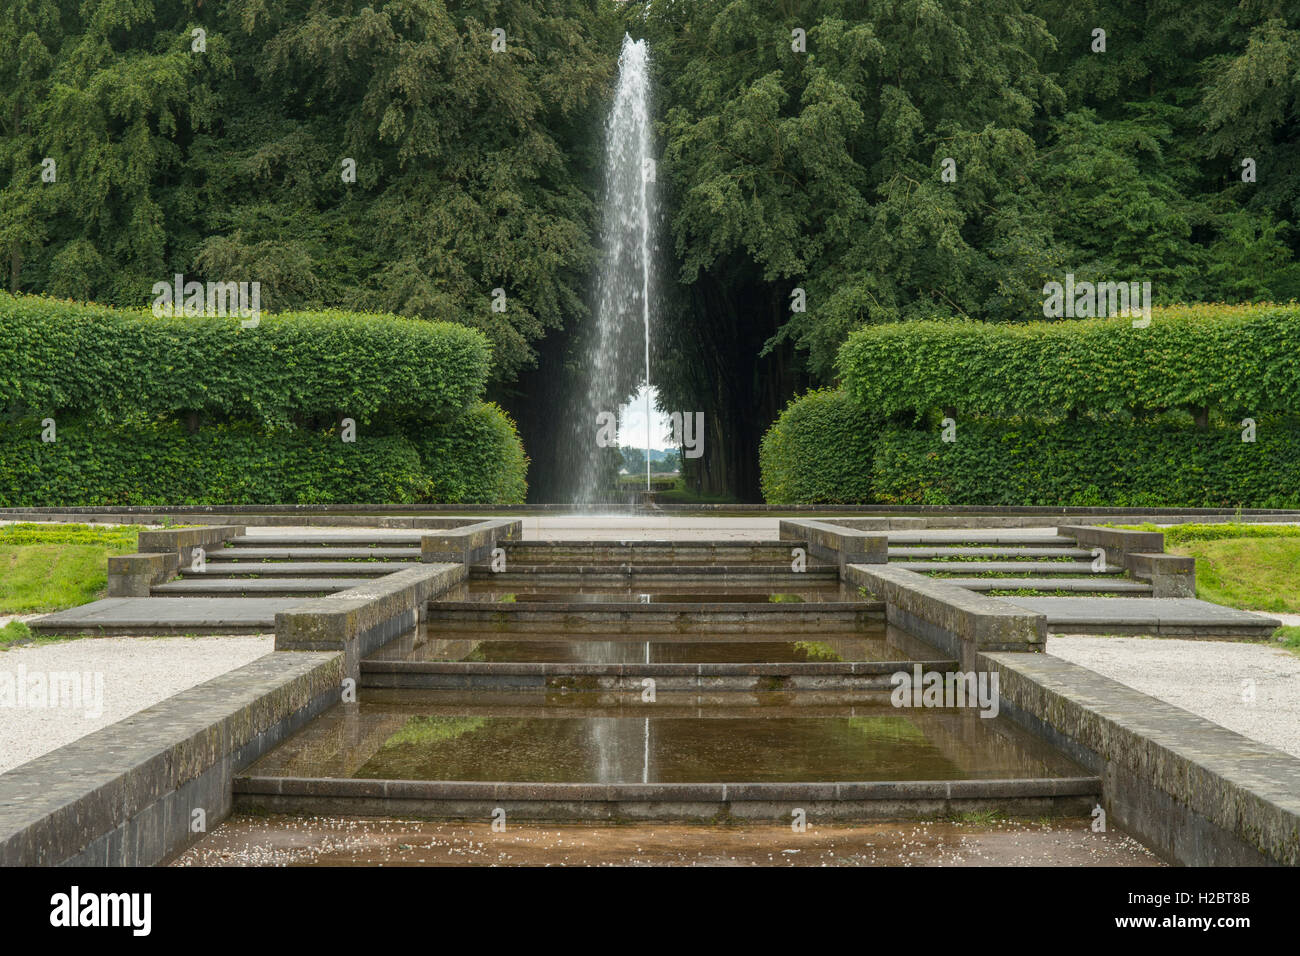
{"points": [[992, 551], [967, 537], [299, 569], [704, 544], [366, 539], [1006, 567], [650, 553], [170, 615], [1106, 585], [668, 572], [1164, 617], [254, 587], [314, 554]]}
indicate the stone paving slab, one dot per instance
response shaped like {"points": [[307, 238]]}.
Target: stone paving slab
{"points": [[297, 569], [278, 537], [989, 551], [1157, 615], [1008, 567], [185, 615], [268, 586], [1039, 537], [315, 553], [1109, 584]]}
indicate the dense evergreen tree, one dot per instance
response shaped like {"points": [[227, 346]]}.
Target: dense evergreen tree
{"points": [[821, 169]]}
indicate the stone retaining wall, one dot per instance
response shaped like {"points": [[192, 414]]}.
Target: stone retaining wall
{"points": [[1196, 793], [126, 795]]}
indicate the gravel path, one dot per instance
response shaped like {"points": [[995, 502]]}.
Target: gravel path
{"points": [[119, 676], [1210, 678]]}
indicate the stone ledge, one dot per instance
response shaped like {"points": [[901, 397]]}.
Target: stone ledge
{"points": [[363, 618], [809, 668], [1115, 542], [471, 543], [132, 575], [110, 797], [958, 621], [667, 792], [837, 543], [1171, 575], [183, 541], [1197, 793]]}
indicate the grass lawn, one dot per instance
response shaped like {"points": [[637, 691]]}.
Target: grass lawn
{"points": [[1249, 566], [1289, 636], [680, 494], [14, 631], [51, 567]]}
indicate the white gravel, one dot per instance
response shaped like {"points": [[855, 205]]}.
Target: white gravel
{"points": [[118, 676], [1253, 689]]}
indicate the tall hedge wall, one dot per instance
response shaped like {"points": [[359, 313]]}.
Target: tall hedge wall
{"points": [[476, 458], [825, 448], [1240, 359], [1090, 464], [816, 450], [60, 357], [119, 384], [91, 464]]}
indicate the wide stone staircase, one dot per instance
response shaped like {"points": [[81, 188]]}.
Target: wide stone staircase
{"points": [[1012, 563], [294, 565]]}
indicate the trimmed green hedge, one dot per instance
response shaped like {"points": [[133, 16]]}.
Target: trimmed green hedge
{"points": [[1090, 464], [474, 459], [240, 464], [818, 451], [59, 357], [1241, 359], [825, 448]]}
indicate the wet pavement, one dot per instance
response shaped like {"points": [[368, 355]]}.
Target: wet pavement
{"points": [[329, 841]]}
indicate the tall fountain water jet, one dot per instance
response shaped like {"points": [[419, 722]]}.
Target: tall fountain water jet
{"points": [[617, 362]]}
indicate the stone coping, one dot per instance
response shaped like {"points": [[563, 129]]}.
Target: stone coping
{"points": [[673, 571], [53, 808], [582, 669], [1116, 543], [362, 618], [438, 608], [668, 792], [470, 543], [1169, 773], [957, 620], [639, 544]]}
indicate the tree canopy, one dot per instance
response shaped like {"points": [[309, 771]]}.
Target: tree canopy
{"points": [[825, 164]]}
